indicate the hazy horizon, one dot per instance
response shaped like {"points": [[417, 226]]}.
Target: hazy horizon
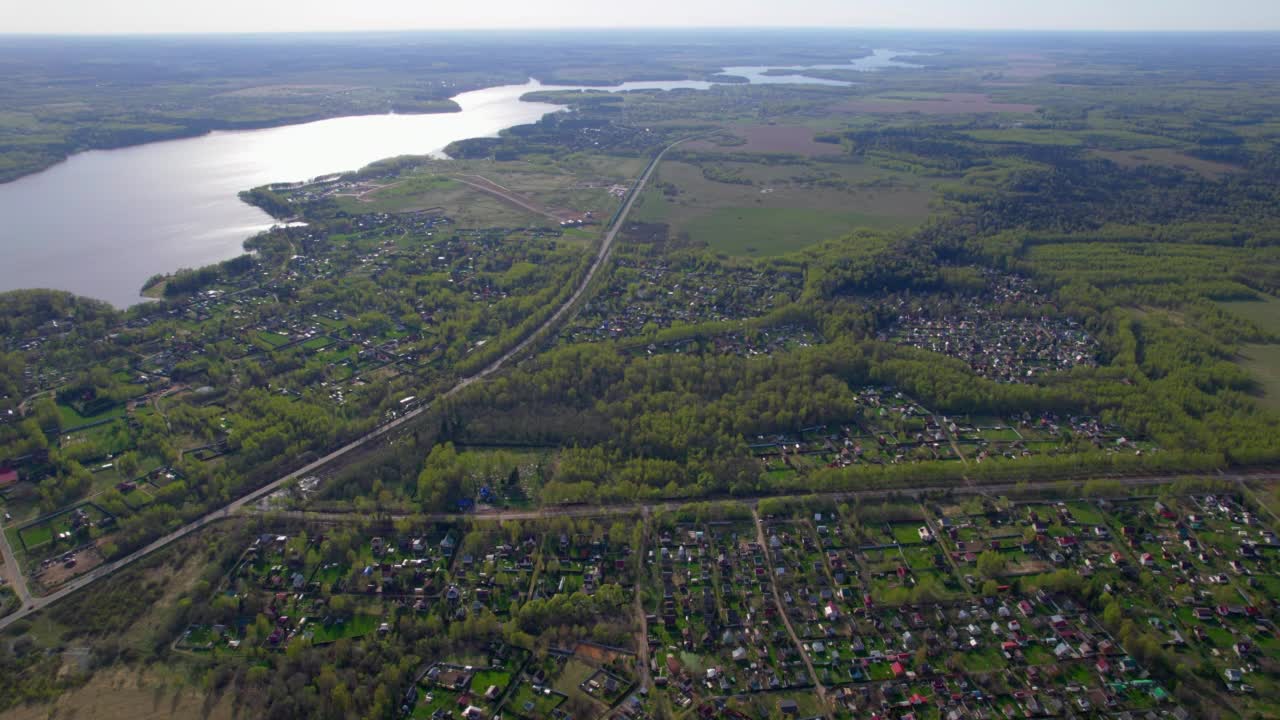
{"points": [[144, 17]]}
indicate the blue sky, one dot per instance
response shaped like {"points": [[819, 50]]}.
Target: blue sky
{"points": [[152, 16]]}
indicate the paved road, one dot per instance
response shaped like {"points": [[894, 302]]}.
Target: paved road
{"points": [[33, 605], [12, 571]]}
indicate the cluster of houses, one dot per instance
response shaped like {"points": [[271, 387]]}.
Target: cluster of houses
{"points": [[717, 602], [1008, 332], [764, 608], [435, 573], [1204, 565], [245, 319], [1002, 349], [649, 293], [887, 427], [720, 631], [884, 427]]}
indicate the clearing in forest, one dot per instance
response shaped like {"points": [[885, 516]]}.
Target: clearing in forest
{"points": [[1166, 157], [758, 209], [785, 139]]}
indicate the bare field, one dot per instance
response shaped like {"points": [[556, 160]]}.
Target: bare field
{"points": [[789, 139], [934, 104], [57, 574], [127, 694], [1166, 157]]}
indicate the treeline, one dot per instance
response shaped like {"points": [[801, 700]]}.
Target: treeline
{"points": [[676, 425]]}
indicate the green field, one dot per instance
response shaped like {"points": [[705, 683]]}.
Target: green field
{"points": [[775, 231], [445, 187], [1263, 362], [71, 418], [355, 627], [759, 209], [469, 207], [1264, 313]]}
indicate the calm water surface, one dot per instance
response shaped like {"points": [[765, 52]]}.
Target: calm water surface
{"points": [[104, 221]]}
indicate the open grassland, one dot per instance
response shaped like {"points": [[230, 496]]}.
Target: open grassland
{"points": [[775, 231], [756, 209], [494, 194], [466, 205], [126, 694], [1262, 361]]}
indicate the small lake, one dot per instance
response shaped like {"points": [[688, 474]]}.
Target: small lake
{"points": [[104, 221]]}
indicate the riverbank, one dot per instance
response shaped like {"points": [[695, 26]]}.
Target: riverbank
{"points": [[13, 169]]}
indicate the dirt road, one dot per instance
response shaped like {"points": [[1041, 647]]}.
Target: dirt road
{"points": [[12, 571], [782, 612]]}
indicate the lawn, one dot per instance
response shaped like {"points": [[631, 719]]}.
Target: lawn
{"points": [[273, 340], [355, 627], [41, 533], [574, 674], [907, 534], [36, 536], [138, 498], [483, 679], [1086, 513], [433, 700], [525, 702], [70, 418]]}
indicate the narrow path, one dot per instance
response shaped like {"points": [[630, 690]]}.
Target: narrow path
{"points": [[493, 189], [602, 256], [155, 402], [942, 544], [782, 612], [581, 511], [1259, 501]]}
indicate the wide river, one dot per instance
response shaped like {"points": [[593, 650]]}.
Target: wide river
{"points": [[104, 221]]}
